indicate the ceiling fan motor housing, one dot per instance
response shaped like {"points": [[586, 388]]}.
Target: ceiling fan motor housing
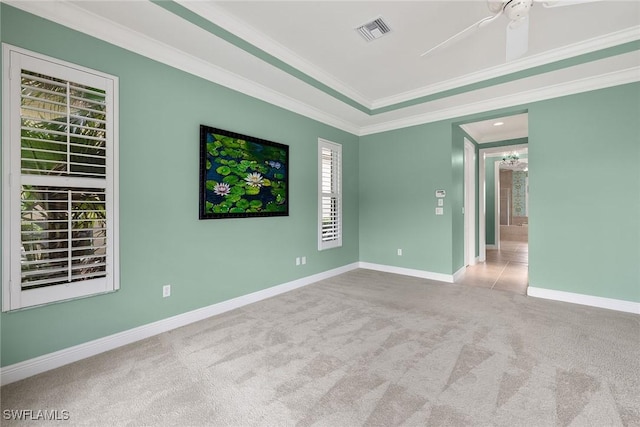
{"points": [[517, 9]]}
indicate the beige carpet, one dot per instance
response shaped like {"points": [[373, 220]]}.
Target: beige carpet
{"points": [[363, 348]]}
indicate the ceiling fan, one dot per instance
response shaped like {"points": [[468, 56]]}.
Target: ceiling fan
{"points": [[517, 12]]}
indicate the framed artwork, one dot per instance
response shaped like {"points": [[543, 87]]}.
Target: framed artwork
{"points": [[242, 176]]}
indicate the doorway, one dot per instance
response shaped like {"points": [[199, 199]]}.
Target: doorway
{"points": [[511, 252], [503, 220], [502, 211]]}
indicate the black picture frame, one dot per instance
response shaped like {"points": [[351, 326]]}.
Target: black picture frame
{"points": [[242, 176]]}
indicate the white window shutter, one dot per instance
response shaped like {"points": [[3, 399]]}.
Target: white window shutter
{"points": [[329, 195], [60, 147]]}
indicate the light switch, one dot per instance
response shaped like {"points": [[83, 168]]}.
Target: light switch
{"points": [[439, 211], [440, 202]]}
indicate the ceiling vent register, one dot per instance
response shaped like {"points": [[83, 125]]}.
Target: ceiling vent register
{"points": [[373, 30]]}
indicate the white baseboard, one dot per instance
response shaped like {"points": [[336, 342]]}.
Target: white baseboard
{"points": [[491, 246], [37, 365], [458, 274], [408, 272], [593, 301]]}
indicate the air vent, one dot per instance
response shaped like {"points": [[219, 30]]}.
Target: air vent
{"points": [[373, 30]]}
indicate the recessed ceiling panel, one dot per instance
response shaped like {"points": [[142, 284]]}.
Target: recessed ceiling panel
{"points": [[322, 32]]}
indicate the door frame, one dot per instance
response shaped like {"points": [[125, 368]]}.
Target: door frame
{"points": [[469, 203], [483, 154]]}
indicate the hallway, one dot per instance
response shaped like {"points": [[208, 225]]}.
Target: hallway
{"points": [[505, 269]]}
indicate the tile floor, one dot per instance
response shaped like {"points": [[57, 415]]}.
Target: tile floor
{"points": [[506, 269]]}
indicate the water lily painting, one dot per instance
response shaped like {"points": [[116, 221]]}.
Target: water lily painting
{"points": [[242, 176]]}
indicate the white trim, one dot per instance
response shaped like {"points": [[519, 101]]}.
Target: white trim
{"points": [[469, 203], [15, 60], [71, 16], [586, 46], [460, 273], [601, 81], [590, 300], [482, 200], [220, 17], [448, 278], [27, 368], [336, 152], [6, 177], [496, 205], [37, 365], [491, 246]]}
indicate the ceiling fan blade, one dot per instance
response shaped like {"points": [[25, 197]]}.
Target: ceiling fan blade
{"points": [[517, 38], [560, 3], [457, 36]]}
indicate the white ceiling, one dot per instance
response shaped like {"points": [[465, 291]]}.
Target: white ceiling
{"points": [[305, 56], [322, 33]]}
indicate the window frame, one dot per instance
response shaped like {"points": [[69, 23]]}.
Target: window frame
{"points": [[13, 296], [337, 185]]}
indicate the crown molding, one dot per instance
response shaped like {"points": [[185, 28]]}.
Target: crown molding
{"points": [[69, 15], [587, 46], [220, 17], [601, 81]]}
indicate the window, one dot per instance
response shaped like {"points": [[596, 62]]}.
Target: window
{"points": [[329, 195], [59, 181]]}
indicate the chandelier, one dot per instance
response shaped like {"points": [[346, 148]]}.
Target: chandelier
{"points": [[511, 159]]}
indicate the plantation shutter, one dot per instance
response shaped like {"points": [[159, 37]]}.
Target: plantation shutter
{"points": [[330, 195], [63, 146]]}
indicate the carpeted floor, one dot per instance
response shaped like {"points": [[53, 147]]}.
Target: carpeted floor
{"points": [[363, 348]]}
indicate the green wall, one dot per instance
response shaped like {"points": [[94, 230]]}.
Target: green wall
{"points": [[161, 239], [389, 183], [403, 169], [584, 189], [595, 253]]}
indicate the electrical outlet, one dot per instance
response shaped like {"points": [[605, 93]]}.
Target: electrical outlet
{"points": [[297, 260], [166, 291], [399, 252], [304, 260]]}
